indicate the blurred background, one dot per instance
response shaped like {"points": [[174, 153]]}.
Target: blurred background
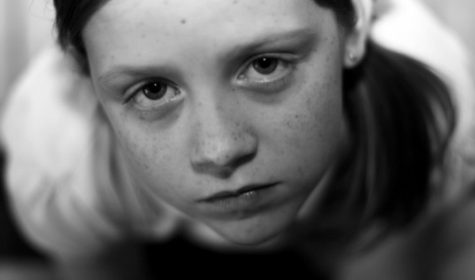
{"points": [[26, 27]]}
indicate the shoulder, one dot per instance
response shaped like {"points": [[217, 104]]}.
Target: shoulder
{"points": [[65, 173], [47, 112], [48, 133]]}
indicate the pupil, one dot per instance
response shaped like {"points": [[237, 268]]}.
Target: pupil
{"points": [[154, 90], [265, 65]]}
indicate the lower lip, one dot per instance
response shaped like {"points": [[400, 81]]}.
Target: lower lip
{"points": [[243, 205]]}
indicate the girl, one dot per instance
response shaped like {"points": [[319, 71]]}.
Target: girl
{"points": [[237, 123]]}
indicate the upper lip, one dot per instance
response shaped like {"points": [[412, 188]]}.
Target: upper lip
{"points": [[235, 193]]}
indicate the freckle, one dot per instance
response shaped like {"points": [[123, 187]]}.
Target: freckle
{"points": [[142, 117], [288, 123], [183, 21]]}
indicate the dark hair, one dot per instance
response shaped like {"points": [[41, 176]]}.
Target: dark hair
{"points": [[71, 17], [401, 120], [400, 116]]}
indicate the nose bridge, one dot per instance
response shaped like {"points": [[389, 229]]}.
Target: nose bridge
{"points": [[222, 140]]}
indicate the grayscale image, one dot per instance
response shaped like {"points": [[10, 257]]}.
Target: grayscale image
{"points": [[237, 139]]}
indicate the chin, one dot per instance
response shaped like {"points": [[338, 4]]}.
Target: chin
{"points": [[253, 232], [251, 240]]}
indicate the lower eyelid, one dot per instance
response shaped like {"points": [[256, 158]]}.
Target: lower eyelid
{"points": [[160, 110], [289, 69], [275, 85]]}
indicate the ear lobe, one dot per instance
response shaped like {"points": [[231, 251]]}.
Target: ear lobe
{"points": [[356, 37]]}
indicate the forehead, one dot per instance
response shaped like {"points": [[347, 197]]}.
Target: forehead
{"points": [[143, 10], [130, 26]]}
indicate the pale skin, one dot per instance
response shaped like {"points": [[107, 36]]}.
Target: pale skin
{"points": [[213, 96], [110, 261]]}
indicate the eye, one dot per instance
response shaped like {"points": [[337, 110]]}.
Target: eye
{"points": [[154, 90], [267, 72], [153, 95], [265, 65]]}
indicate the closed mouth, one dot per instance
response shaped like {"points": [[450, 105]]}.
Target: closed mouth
{"points": [[244, 191]]}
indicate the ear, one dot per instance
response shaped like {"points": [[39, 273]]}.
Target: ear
{"points": [[356, 36]]}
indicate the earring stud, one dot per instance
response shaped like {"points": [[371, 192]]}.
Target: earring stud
{"points": [[352, 59]]}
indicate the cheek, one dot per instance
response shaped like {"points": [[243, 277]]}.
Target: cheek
{"points": [[318, 113], [142, 147], [151, 156], [316, 129]]}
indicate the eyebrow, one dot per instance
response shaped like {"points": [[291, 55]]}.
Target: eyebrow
{"points": [[119, 71], [303, 37], [298, 37]]}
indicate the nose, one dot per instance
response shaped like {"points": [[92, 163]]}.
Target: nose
{"points": [[221, 143]]}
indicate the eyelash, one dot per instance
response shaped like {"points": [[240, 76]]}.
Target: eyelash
{"points": [[134, 95], [273, 81]]}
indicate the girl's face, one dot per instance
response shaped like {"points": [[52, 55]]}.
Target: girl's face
{"points": [[229, 110]]}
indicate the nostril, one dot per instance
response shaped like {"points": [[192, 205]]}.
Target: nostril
{"points": [[242, 160], [213, 169]]}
